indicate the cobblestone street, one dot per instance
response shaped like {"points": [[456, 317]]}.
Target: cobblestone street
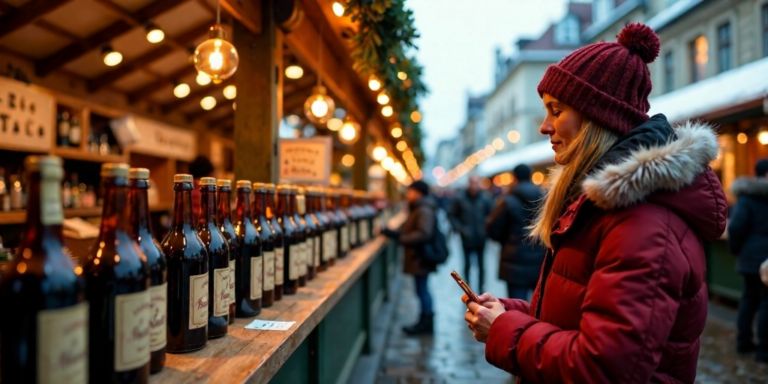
{"points": [[453, 356]]}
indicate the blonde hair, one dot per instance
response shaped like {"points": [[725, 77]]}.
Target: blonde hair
{"points": [[589, 145]]}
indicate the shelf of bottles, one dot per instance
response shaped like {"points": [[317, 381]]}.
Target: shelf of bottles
{"points": [[72, 318]]}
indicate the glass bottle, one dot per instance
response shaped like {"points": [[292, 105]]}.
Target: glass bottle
{"points": [[249, 262], [117, 288], [301, 236], [267, 243], [75, 192], [218, 260], [62, 122], [17, 200], [290, 240], [228, 230], [313, 240], [343, 238], [187, 274], [138, 186], [75, 133], [313, 214], [371, 212], [277, 239], [335, 223], [317, 196], [363, 229], [44, 321], [346, 203], [5, 196]]}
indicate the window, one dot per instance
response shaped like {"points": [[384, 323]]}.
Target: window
{"points": [[669, 72], [601, 9], [724, 47], [765, 30], [699, 50], [567, 30]]}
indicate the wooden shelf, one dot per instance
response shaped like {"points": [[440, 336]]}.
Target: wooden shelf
{"points": [[77, 154], [19, 217]]}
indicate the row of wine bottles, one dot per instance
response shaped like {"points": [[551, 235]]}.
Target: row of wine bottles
{"points": [[113, 318]]}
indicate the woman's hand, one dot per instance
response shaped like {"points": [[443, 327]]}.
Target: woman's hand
{"points": [[480, 317]]}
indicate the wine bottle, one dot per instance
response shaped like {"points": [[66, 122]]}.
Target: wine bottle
{"points": [[117, 287], [277, 239], [138, 186], [218, 260], [336, 225], [44, 321], [228, 230], [290, 240], [313, 214], [363, 231], [343, 238], [352, 224], [301, 236], [187, 274], [312, 259], [249, 262], [267, 243], [317, 199]]}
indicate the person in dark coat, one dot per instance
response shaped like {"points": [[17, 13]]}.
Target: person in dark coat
{"points": [[418, 230], [521, 258], [467, 215], [748, 238]]}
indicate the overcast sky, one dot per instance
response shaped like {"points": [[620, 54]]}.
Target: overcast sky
{"points": [[456, 48]]}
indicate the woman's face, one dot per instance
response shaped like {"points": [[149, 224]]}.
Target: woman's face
{"points": [[562, 124]]}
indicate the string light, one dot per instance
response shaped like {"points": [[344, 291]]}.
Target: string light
{"points": [[294, 72], [230, 92], [402, 76], [387, 111], [202, 79], [379, 153], [348, 160], [334, 124], [402, 145], [383, 98], [110, 56], [513, 136], [374, 84], [397, 132], [154, 33], [181, 90], [742, 138], [338, 9], [415, 116], [208, 102]]}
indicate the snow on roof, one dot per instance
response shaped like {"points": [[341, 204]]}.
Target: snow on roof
{"points": [[532, 154], [737, 86], [668, 15]]}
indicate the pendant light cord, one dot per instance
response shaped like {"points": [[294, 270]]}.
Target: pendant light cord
{"points": [[320, 55], [218, 12]]}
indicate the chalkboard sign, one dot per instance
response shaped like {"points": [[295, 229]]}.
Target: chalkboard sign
{"points": [[163, 140], [305, 160], [26, 117]]}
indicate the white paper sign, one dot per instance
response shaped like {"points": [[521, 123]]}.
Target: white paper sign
{"points": [[305, 160], [164, 140], [263, 325], [26, 116]]}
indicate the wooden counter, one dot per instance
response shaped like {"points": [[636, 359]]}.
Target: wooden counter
{"points": [[257, 356]]}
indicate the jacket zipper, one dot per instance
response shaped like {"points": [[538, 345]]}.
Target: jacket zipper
{"points": [[548, 260]]}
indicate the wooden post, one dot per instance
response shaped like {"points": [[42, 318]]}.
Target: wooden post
{"points": [[258, 98], [362, 160]]}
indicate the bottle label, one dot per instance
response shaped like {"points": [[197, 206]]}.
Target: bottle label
{"points": [[353, 233], [132, 318], [231, 282], [327, 245], [74, 135], [279, 266], [62, 345], [257, 268], [334, 244], [269, 271], [51, 211], [158, 301], [377, 225], [294, 262], [364, 231], [316, 252], [221, 297], [304, 258], [63, 128], [198, 301], [345, 238]]}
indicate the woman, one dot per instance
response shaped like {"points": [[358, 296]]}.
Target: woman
{"points": [[622, 295]]}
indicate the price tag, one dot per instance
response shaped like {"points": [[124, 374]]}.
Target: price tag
{"points": [[261, 325]]}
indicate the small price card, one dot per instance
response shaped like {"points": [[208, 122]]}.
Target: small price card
{"points": [[262, 325]]}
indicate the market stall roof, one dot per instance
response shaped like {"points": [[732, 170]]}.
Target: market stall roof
{"points": [[537, 153]]}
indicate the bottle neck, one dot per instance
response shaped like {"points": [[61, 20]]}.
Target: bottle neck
{"points": [[243, 206], [270, 204], [116, 213], [182, 205], [139, 201], [311, 204], [294, 207], [207, 204], [260, 204], [283, 204], [330, 202], [224, 194], [45, 213], [323, 205]]}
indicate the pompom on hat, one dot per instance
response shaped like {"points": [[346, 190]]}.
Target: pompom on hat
{"points": [[608, 83]]}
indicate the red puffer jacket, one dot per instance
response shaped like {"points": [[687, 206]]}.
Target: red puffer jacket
{"points": [[622, 296]]}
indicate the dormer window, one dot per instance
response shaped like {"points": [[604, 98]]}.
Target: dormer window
{"points": [[601, 9], [567, 30]]}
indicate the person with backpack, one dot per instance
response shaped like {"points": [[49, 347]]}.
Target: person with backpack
{"points": [[521, 258], [417, 236], [467, 214]]}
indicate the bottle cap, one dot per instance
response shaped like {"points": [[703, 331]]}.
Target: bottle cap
{"points": [[224, 183], [182, 178], [269, 186], [243, 184], [114, 170], [138, 173], [283, 188], [48, 166], [301, 190], [259, 186], [207, 181]]}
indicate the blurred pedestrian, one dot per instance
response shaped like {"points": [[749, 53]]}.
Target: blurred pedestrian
{"points": [[467, 215], [622, 296], [418, 230], [521, 257], [748, 238]]}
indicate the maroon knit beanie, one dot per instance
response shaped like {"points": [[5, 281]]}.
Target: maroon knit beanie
{"points": [[608, 83]]}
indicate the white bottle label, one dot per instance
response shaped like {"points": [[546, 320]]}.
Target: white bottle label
{"points": [[132, 317], [231, 282], [353, 233], [51, 211], [62, 345], [279, 266], [269, 271], [257, 268], [158, 301], [304, 259], [335, 244], [74, 134], [294, 262], [221, 297], [364, 231], [198, 301], [345, 238], [326, 245], [316, 252]]}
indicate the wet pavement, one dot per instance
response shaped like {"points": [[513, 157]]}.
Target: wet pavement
{"points": [[452, 356]]}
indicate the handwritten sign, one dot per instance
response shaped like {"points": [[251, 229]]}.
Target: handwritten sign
{"points": [[262, 325], [305, 160], [26, 116], [164, 140]]}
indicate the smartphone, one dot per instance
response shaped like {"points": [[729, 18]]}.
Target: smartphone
{"points": [[470, 294]]}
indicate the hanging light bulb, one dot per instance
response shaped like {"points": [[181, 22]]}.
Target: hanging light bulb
{"points": [[294, 71], [387, 163], [386, 110], [374, 84], [110, 56], [383, 98], [334, 124], [338, 9], [402, 145], [216, 57], [319, 106], [154, 33], [230, 92], [208, 102], [379, 153], [202, 79], [348, 160], [181, 90], [397, 131], [350, 131]]}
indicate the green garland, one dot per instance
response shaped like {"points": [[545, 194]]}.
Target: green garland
{"points": [[385, 33]]}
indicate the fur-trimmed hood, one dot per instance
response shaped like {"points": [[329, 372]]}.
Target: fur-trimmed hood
{"points": [[750, 186], [663, 165]]}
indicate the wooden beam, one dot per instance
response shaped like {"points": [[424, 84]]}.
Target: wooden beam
{"points": [[149, 89], [219, 106], [291, 86], [27, 13], [297, 98], [223, 121], [56, 30], [247, 12], [196, 95], [77, 49]]}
